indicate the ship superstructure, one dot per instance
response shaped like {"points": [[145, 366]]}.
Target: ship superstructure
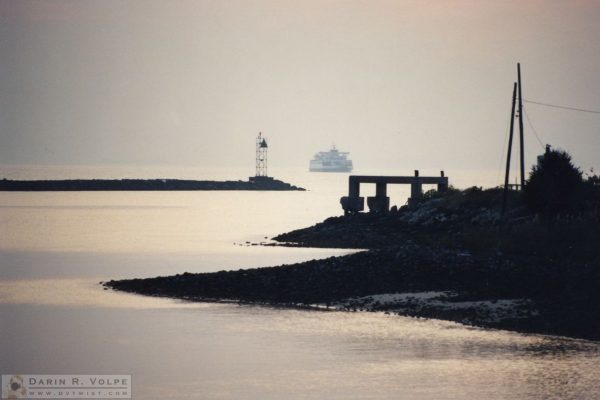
{"points": [[331, 161]]}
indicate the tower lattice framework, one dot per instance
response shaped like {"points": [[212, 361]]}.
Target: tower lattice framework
{"points": [[261, 155]]}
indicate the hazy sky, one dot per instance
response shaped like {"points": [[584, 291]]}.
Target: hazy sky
{"points": [[403, 84]]}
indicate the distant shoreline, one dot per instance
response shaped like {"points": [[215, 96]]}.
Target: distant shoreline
{"points": [[253, 183]]}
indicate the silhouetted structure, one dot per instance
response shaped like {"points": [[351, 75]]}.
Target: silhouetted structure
{"points": [[517, 88], [254, 183], [509, 151], [353, 203], [521, 131], [261, 155]]}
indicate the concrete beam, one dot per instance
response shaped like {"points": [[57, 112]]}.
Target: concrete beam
{"points": [[426, 180]]}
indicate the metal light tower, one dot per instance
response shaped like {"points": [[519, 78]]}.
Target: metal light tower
{"points": [[261, 155]]}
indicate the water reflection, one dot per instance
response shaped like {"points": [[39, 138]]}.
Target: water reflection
{"points": [[229, 351]]}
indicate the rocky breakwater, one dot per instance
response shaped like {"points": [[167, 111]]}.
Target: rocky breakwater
{"points": [[254, 183]]}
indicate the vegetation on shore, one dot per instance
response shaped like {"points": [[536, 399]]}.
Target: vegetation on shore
{"points": [[540, 258]]}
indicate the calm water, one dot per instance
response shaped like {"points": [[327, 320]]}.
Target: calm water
{"points": [[55, 247]]}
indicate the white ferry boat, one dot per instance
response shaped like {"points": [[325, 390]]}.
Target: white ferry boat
{"points": [[331, 161]]}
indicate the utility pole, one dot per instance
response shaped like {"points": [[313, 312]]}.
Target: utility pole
{"points": [[510, 140], [521, 127]]}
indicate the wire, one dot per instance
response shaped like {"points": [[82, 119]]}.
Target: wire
{"points": [[562, 107], [533, 129]]}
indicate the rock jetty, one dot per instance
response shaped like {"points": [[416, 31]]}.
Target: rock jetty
{"points": [[254, 183]]}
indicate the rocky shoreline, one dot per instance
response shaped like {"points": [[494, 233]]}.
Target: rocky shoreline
{"points": [[451, 258], [364, 281]]}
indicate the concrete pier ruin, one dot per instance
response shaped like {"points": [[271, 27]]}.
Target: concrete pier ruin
{"points": [[354, 203]]}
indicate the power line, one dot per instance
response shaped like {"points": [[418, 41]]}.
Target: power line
{"points": [[562, 107], [533, 129]]}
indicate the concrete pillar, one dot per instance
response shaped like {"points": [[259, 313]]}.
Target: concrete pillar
{"points": [[416, 190], [381, 189], [352, 205], [380, 202], [353, 187], [443, 185]]}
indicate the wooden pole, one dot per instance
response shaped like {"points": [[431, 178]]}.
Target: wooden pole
{"points": [[508, 153], [521, 127]]}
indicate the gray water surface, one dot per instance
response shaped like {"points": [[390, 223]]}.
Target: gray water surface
{"points": [[56, 318]]}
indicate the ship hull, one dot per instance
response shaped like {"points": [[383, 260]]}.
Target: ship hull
{"points": [[330, 169], [316, 166]]}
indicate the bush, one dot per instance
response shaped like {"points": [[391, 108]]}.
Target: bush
{"points": [[436, 194], [555, 186], [592, 197]]}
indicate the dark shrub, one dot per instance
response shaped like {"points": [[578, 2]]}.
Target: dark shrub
{"points": [[555, 186]]}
